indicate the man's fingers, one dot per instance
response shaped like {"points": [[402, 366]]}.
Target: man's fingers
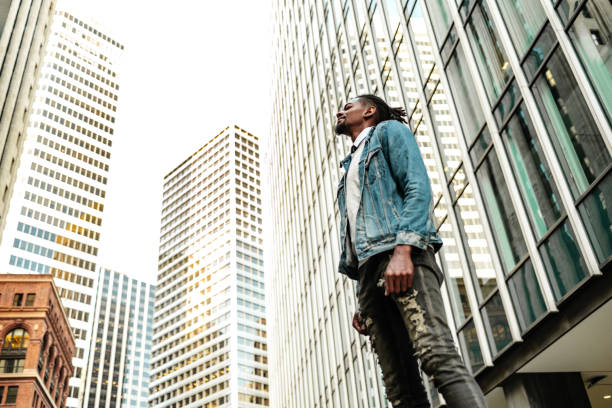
{"points": [[404, 283], [409, 279]]}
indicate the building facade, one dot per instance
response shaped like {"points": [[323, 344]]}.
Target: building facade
{"points": [[37, 344], [56, 210], [120, 354], [510, 105], [24, 28], [209, 336]]}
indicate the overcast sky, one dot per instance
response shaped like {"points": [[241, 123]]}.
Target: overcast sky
{"points": [[190, 69]]}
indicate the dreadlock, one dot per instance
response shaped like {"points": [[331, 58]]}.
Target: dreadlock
{"points": [[384, 111]]}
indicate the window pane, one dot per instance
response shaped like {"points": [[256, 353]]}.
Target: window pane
{"points": [[506, 230], [496, 324], [532, 174], [454, 273], [596, 213], [440, 18], [445, 130], [577, 140], [472, 234], [540, 50], [523, 19], [480, 146], [591, 36], [11, 395], [526, 295], [470, 347], [490, 56], [562, 260]]}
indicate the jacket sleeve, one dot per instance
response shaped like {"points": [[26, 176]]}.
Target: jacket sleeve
{"points": [[410, 175]]}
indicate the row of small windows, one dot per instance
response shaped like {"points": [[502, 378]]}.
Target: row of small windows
{"points": [[51, 254], [76, 296], [249, 281], [28, 265], [39, 168], [56, 222], [252, 399], [255, 385], [71, 152], [11, 394], [84, 81], [194, 371], [251, 305], [77, 115], [69, 165], [76, 127], [249, 292], [91, 29], [65, 193], [82, 92], [81, 68], [202, 394], [248, 370], [252, 271], [244, 166], [71, 99], [246, 150], [55, 238], [173, 357], [46, 202], [76, 140], [72, 277], [77, 315]]}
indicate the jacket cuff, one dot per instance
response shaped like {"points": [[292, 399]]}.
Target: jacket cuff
{"points": [[411, 238]]}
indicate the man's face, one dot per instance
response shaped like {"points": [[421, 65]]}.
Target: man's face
{"points": [[352, 115]]}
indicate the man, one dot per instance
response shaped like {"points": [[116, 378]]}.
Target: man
{"points": [[388, 242]]}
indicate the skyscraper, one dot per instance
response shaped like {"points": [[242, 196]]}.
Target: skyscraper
{"points": [[24, 27], [209, 337], [509, 102], [119, 362], [56, 210]]}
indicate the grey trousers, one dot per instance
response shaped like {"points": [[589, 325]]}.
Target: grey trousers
{"points": [[411, 326]]}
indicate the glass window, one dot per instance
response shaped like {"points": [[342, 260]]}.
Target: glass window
{"points": [[531, 171], [451, 265], [503, 218], [441, 18], [464, 95], [490, 56], [30, 297], [526, 295], [468, 340], [17, 299], [578, 143], [591, 35], [496, 324], [539, 51], [480, 146], [523, 19], [596, 212], [11, 395], [562, 260]]}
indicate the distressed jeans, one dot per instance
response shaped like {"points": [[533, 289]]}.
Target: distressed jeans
{"points": [[411, 326]]}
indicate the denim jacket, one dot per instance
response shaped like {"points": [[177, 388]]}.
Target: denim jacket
{"points": [[396, 201]]}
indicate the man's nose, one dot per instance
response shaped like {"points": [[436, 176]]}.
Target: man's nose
{"points": [[338, 115]]}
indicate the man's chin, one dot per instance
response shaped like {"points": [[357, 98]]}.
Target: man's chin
{"points": [[341, 129]]}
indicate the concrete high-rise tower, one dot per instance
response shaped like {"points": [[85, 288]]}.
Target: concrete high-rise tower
{"points": [[209, 340], [510, 104], [24, 28], [56, 210]]}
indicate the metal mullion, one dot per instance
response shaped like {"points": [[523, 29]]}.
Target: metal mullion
{"points": [[370, 30], [451, 52], [359, 53], [593, 185], [480, 131], [535, 40], [510, 114], [351, 74], [574, 16], [542, 66], [551, 230], [507, 86], [469, 15], [582, 79]]}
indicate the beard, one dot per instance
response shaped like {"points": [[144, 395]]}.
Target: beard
{"points": [[341, 129]]}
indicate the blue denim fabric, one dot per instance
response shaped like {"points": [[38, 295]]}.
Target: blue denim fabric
{"points": [[396, 201]]}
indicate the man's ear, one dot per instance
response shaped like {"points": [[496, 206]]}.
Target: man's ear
{"points": [[369, 112]]}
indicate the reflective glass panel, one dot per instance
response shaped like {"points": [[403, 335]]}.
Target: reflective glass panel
{"points": [[507, 102], [531, 171], [446, 132], [502, 217], [496, 324], [463, 90], [538, 53], [440, 16], [480, 146], [596, 213], [591, 34], [490, 56], [526, 295], [475, 241], [453, 270], [562, 260], [468, 340], [523, 19], [579, 145]]}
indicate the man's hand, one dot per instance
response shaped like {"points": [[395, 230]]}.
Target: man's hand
{"points": [[400, 271], [359, 324]]}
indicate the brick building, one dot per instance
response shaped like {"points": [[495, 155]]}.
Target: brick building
{"points": [[36, 344]]}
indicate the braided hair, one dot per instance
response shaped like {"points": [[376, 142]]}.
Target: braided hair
{"points": [[383, 111]]}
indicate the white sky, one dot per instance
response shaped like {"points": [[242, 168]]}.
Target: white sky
{"points": [[190, 69]]}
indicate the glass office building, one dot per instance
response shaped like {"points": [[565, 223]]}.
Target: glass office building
{"points": [[210, 335], [56, 209], [119, 362], [510, 104]]}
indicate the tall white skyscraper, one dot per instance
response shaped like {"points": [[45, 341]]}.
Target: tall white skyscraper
{"points": [[118, 366], [209, 340], [53, 225]]}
